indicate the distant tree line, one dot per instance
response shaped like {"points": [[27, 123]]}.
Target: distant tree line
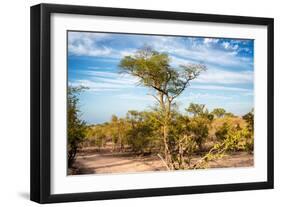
{"points": [[189, 136]]}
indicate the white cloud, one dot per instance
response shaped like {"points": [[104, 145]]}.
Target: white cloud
{"points": [[89, 44], [134, 97], [106, 81], [225, 77], [205, 96], [175, 61], [209, 41], [112, 76], [81, 43], [219, 88], [104, 74], [98, 86], [235, 47], [127, 52], [92, 44], [202, 53], [87, 50], [100, 68], [232, 45], [226, 45]]}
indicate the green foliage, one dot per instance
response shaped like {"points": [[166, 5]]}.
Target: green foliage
{"points": [[154, 70], [196, 109], [199, 129], [235, 138], [219, 112], [118, 131], [199, 110], [139, 137], [249, 118], [222, 132], [98, 136], [182, 143], [141, 132], [76, 128]]}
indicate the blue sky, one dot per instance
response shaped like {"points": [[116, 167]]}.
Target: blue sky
{"points": [[93, 60]]}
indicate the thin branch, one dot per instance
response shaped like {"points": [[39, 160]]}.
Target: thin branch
{"points": [[159, 89], [158, 100], [163, 161]]}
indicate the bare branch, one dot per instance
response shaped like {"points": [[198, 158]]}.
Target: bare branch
{"points": [[157, 99], [160, 90], [163, 161]]}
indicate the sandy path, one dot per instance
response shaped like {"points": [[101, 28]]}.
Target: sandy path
{"points": [[116, 163], [89, 163]]}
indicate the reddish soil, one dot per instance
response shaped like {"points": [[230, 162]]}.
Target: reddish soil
{"points": [[90, 161]]}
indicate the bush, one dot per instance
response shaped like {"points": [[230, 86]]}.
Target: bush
{"points": [[198, 127], [76, 128], [238, 140], [222, 132]]}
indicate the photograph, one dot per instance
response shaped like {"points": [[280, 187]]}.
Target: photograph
{"points": [[134, 103], [146, 102]]}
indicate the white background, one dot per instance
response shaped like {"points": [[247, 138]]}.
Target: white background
{"points": [[14, 104]]}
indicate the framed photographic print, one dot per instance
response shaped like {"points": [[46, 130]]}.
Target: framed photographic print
{"points": [[133, 103]]}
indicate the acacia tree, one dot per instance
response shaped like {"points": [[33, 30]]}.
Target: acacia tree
{"points": [[196, 109], [199, 110], [155, 71]]}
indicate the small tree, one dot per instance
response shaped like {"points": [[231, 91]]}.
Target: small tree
{"points": [[222, 132], [196, 109], [76, 128], [199, 128], [140, 132], [99, 136], [183, 144], [249, 118], [118, 132], [219, 112]]}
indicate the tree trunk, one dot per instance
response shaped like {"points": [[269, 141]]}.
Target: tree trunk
{"points": [[166, 110]]}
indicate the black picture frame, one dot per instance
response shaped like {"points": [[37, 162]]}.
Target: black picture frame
{"points": [[41, 99]]}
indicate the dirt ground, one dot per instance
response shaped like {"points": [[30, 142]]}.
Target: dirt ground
{"points": [[89, 162]]}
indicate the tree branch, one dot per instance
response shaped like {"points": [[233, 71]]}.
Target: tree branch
{"points": [[159, 89], [157, 99], [163, 161]]}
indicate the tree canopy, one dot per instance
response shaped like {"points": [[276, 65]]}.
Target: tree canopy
{"points": [[154, 70], [219, 112]]}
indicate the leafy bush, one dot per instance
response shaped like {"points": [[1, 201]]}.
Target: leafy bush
{"points": [[198, 127], [76, 128], [222, 132]]}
